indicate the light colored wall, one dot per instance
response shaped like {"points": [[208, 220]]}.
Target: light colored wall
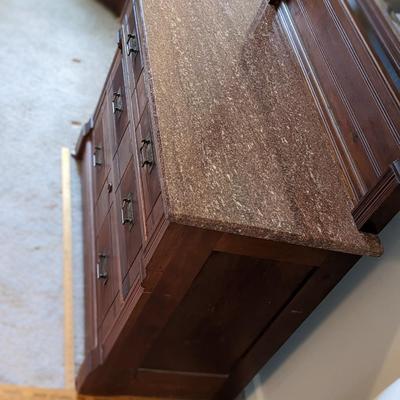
{"points": [[349, 348]]}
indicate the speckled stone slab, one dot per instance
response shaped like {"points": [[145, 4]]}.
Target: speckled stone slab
{"points": [[241, 144]]}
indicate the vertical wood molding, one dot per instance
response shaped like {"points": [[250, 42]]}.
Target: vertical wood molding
{"points": [[69, 369], [381, 203]]}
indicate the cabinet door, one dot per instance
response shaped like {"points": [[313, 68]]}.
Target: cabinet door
{"points": [[101, 156], [119, 109], [130, 240], [106, 273], [147, 162]]}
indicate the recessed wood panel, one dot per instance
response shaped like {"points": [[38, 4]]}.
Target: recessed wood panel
{"points": [[229, 305], [176, 385]]}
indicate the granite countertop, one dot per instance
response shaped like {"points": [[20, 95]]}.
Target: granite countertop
{"points": [[241, 144]]}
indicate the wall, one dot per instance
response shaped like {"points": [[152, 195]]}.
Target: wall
{"points": [[349, 348]]}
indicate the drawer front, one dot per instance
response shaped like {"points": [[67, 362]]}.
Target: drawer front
{"points": [[106, 272], [119, 109], [101, 156], [141, 99], [148, 163], [133, 278], [104, 203], [132, 46], [109, 319], [123, 156], [130, 235]]}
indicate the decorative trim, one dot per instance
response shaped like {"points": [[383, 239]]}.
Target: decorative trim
{"points": [[69, 367], [381, 203], [85, 131]]}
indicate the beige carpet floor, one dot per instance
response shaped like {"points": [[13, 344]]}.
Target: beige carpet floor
{"points": [[54, 56]]}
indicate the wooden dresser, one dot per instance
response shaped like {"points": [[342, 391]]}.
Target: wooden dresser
{"points": [[217, 200]]}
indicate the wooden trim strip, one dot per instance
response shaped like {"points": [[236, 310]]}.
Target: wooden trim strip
{"points": [[12, 392], [69, 370], [381, 203], [85, 131]]}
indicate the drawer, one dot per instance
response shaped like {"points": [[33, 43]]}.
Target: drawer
{"points": [[103, 204], [147, 163], [129, 228], [106, 271], [132, 47], [123, 156], [133, 278], [101, 154], [109, 319], [140, 102], [119, 110]]}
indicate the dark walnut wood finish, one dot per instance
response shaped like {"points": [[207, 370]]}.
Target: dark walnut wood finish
{"points": [[357, 98], [183, 312]]}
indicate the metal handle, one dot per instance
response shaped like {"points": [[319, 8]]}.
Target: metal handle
{"points": [[117, 105], [127, 216], [147, 153], [97, 156], [119, 39], [101, 267], [132, 45]]}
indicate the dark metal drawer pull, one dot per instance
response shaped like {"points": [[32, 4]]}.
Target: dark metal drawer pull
{"points": [[98, 156], [132, 45], [127, 216], [101, 267], [147, 153], [119, 39], [117, 104]]}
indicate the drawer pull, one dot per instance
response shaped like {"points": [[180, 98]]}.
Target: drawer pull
{"points": [[132, 45], [146, 153], [101, 267], [98, 156], [119, 39], [117, 105], [127, 216]]}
